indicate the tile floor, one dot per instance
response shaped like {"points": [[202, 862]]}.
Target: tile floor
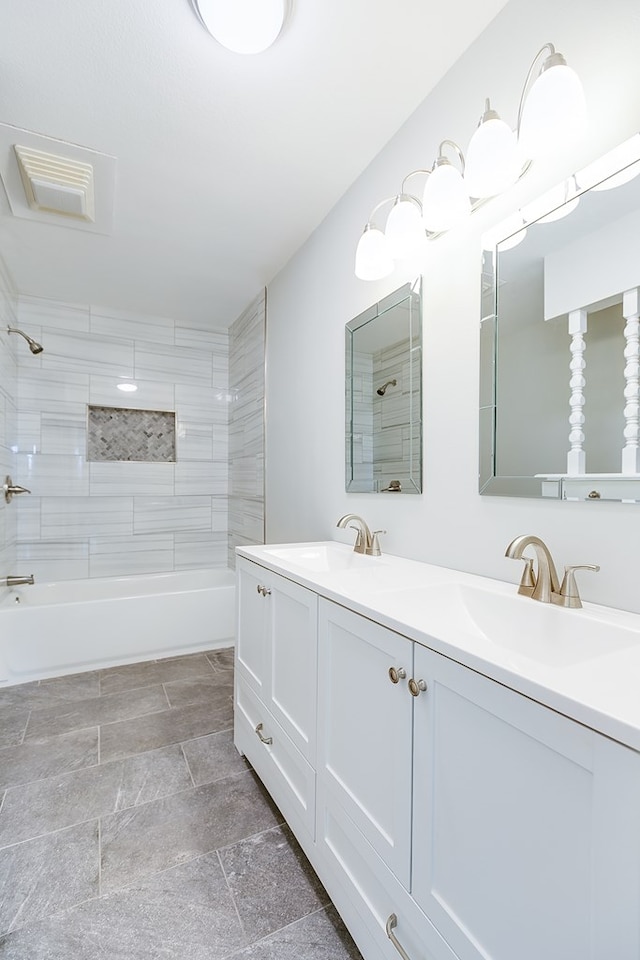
{"points": [[130, 829]]}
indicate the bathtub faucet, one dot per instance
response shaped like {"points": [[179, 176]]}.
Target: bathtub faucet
{"points": [[18, 581]]}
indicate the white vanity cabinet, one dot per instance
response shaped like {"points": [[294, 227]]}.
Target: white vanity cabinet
{"points": [[276, 652]]}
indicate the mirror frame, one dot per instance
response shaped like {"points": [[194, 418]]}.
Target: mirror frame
{"points": [[609, 165], [412, 292]]}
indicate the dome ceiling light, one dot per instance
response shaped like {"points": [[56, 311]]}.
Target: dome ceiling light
{"points": [[243, 26]]}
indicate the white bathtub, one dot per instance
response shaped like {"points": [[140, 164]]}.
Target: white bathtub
{"points": [[51, 629]]}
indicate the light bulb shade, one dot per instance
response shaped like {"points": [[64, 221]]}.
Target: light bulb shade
{"points": [[243, 26], [554, 113], [404, 230], [492, 160], [373, 259], [446, 200]]}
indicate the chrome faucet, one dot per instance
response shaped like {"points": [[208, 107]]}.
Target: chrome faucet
{"points": [[18, 581], [544, 585], [366, 541]]}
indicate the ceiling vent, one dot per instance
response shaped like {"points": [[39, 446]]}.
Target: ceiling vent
{"points": [[56, 184]]}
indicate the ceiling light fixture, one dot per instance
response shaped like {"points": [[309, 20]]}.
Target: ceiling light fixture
{"points": [[551, 113], [127, 387], [243, 26]]}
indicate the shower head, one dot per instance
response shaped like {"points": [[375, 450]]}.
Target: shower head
{"points": [[383, 389], [33, 345]]}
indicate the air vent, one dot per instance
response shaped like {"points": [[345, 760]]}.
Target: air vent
{"points": [[56, 184]]}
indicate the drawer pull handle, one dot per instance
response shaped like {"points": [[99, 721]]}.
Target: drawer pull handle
{"points": [[265, 591], [263, 739], [396, 674], [415, 686], [392, 923]]}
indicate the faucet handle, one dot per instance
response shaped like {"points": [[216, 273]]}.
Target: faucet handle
{"points": [[374, 550], [568, 595], [528, 579], [359, 544]]}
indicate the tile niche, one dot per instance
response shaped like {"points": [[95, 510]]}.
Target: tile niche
{"points": [[118, 433]]}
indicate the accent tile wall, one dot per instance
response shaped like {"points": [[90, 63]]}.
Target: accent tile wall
{"points": [[246, 426], [93, 519], [8, 423]]}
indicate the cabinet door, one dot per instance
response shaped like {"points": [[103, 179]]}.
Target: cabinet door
{"points": [[292, 672], [525, 825], [364, 724], [252, 623]]}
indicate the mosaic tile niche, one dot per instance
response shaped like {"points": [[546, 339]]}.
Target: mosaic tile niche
{"points": [[116, 433]]}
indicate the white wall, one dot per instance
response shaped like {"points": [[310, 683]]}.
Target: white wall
{"points": [[8, 416], [316, 293]]}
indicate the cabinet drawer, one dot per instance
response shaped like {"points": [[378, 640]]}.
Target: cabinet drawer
{"points": [[367, 893], [279, 764]]}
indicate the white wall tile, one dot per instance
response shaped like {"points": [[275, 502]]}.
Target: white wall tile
{"points": [[84, 517], [201, 403], [52, 475], [64, 433], [49, 561], [85, 353], [199, 440], [219, 514], [180, 364], [204, 550], [28, 516], [215, 341], [127, 556], [201, 478], [131, 479], [54, 391], [29, 436], [150, 395], [105, 321], [37, 312], [171, 514]]}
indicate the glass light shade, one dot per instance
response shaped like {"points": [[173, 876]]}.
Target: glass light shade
{"points": [[404, 230], [554, 112], [493, 160], [243, 26], [446, 200], [553, 205], [373, 259], [616, 167]]}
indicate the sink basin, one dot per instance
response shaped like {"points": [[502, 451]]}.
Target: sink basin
{"points": [[541, 632], [324, 557]]}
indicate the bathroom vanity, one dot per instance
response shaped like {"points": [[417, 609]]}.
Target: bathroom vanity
{"points": [[460, 764]]}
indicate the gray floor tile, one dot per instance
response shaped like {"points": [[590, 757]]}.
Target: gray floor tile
{"points": [[47, 875], [128, 737], [185, 913], [272, 882], [139, 842], [133, 675], [97, 710], [222, 660], [321, 936], [13, 723], [47, 805], [216, 690], [213, 758], [51, 756], [78, 686]]}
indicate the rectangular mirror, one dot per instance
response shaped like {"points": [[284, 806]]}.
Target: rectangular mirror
{"points": [[559, 341], [384, 395]]}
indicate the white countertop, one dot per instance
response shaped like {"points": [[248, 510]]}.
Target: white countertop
{"points": [[600, 689]]}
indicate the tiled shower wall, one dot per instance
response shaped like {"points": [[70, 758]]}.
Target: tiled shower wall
{"points": [[246, 426], [118, 518], [8, 396]]}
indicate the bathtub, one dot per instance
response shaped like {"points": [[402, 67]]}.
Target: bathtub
{"points": [[51, 629]]}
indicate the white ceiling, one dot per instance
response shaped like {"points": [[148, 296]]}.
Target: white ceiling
{"points": [[224, 164]]}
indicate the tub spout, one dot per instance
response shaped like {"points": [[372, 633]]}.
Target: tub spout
{"points": [[18, 581]]}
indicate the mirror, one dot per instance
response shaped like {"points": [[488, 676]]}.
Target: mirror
{"points": [[559, 341], [384, 396]]}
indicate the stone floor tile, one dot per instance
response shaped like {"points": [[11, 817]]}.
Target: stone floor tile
{"points": [[13, 723], [222, 660], [133, 675], [153, 837], [272, 882], [185, 913], [47, 805], [97, 710], [213, 758], [48, 757], [215, 690], [129, 737], [321, 936], [44, 876], [43, 693]]}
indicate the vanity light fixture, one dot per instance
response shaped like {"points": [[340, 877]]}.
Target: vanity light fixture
{"points": [[243, 26], [551, 112]]}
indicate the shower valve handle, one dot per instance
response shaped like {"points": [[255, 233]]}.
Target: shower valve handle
{"points": [[11, 489]]}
